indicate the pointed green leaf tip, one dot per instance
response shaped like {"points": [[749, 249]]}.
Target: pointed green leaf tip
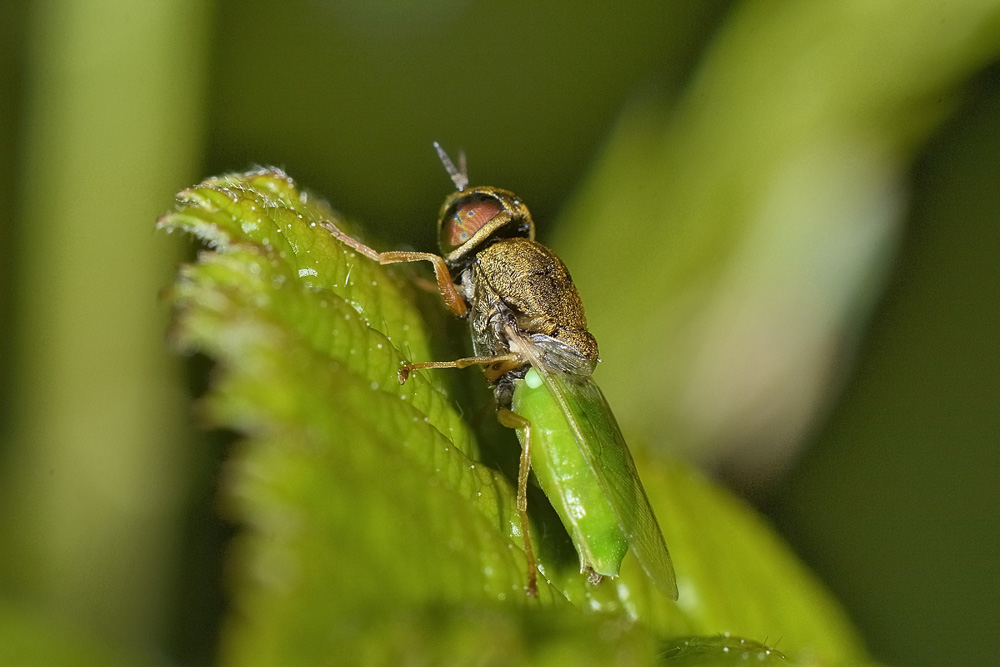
{"points": [[370, 528]]}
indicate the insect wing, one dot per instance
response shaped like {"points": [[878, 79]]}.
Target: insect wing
{"points": [[603, 447]]}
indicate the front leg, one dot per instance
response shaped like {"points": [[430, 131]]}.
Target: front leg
{"points": [[446, 286]]}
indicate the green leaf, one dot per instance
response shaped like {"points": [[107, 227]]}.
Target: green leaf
{"points": [[721, 650], [371, 529]]}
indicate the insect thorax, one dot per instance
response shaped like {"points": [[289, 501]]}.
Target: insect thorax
{"points": [[519, 283]]}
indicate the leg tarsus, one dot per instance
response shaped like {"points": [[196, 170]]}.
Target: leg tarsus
{"points": [[349, 241]]}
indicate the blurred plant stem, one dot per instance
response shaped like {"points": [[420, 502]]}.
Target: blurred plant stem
{"points": [[94, 471]]}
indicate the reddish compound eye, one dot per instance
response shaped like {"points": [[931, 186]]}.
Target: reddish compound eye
{"points": [[467, 220]]}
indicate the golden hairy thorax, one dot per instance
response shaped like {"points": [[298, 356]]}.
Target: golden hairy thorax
{"points": [[522, 282]]}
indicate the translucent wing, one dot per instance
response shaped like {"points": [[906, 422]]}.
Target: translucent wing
{"points": [[603, 447]]}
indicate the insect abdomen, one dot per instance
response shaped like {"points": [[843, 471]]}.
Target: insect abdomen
{"points": [[569, 483]]}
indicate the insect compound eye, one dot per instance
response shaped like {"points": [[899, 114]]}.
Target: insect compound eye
{"points": [[466, 219]]}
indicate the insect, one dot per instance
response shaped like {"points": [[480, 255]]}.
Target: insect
{"points": [[530, 334]]}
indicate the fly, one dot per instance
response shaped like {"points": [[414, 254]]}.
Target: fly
{"points": [[530, 334]]}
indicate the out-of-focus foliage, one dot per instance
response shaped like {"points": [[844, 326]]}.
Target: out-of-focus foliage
{"points": [[31, 638], [764, 232], [97, 460], [910, 454], [733, 184]]}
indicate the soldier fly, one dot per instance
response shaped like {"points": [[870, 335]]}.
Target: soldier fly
{"points": [[530, 334]]}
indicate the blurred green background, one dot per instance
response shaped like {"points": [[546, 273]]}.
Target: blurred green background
{"points": [[783, 218]]}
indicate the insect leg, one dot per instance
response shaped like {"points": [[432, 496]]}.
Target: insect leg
{"points": [[513, 420], [499, 364], [445, 285]]}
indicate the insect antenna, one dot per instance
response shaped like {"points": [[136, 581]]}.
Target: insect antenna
{"points": [[460, 176]]}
